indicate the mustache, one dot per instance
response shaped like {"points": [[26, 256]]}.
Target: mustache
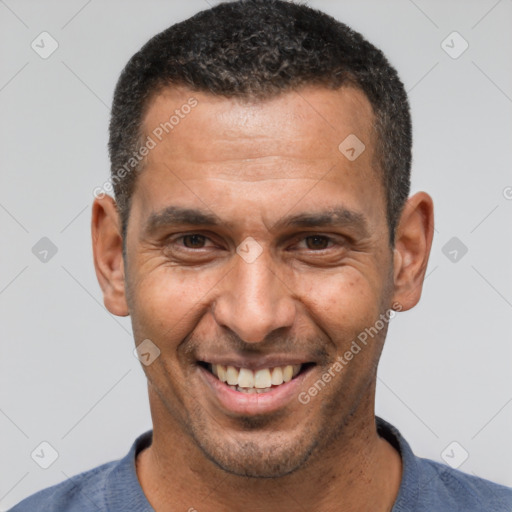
{"points": [[275, 342]]}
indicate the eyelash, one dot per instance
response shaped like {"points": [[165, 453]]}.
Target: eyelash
{"points": [[330, 240]]}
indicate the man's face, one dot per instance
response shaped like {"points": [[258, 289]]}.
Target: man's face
{"points": [[297, 292]]}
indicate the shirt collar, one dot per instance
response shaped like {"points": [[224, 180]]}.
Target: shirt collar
{"points": [[409, 486], [123, 490]]}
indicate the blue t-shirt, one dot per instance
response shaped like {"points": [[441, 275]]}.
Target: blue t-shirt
{"points": [[426, 486]]}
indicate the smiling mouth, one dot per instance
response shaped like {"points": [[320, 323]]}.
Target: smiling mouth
{"points": [[249, 381]]}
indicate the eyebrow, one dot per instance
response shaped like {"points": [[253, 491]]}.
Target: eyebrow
{"points": [[174, 215], [334, 217]]}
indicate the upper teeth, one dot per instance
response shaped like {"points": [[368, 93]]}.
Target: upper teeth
{"points": [[259, 379]]}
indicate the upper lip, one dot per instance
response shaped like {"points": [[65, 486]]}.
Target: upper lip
{"points": [[256, 362]]}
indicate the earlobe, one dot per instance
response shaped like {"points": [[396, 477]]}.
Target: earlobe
{"points": [[412, 249], [107, 245]]}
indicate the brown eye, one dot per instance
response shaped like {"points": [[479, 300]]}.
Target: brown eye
{"points": [[194, 241], [317, 242]]}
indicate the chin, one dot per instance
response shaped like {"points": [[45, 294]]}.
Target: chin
{"points": [[257, 455]]}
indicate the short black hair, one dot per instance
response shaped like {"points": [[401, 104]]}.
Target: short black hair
{"points": [[257, 49]]}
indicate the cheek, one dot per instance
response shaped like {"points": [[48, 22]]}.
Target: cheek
{"points": [[168, 302], [343, 304]]}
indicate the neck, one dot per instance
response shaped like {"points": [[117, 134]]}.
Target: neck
{"points": [[358, 471]]}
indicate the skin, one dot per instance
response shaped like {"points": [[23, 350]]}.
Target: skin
{"points": [[250, 164]]}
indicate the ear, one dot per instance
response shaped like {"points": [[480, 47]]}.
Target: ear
{"points": [[412, 248], [107, 246]]}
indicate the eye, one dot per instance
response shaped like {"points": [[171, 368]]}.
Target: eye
{"points": [[188, 241], [191, 248], [193, 241], [317, 242]]}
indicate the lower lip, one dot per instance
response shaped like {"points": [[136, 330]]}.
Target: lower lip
{"points": [[238, 402]]}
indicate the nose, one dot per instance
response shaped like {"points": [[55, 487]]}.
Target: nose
{"points": [[253, 301]]}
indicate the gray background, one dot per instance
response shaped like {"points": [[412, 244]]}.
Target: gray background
{"points": [[67, 372]]}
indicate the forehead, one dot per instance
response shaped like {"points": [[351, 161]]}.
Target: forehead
{"points": [[297, 125], [222, 150]]}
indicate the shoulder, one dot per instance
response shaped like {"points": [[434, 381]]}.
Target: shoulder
{"points": [[85, 491], [429, 486], [111, 486], [444, 488]]}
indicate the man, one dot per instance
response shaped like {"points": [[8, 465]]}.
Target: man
{"points": [[260, 239]]}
